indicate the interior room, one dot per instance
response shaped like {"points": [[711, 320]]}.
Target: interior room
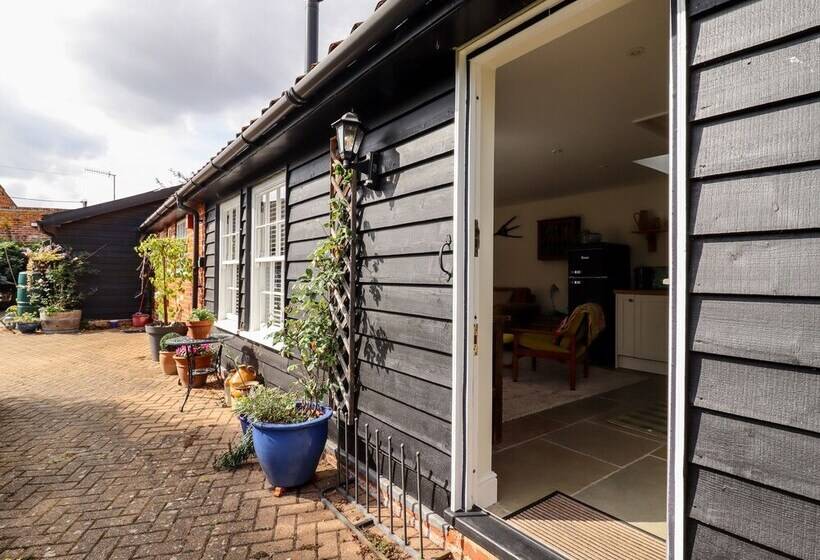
{"points": [[580, 278]]}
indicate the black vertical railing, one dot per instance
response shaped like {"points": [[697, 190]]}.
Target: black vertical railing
{"points": [[373, 455]]}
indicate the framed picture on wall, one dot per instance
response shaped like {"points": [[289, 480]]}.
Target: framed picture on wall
{"points": [[556, 236]]}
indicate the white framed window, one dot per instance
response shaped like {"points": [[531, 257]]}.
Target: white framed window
{"points": [[268, 255], [228, 302], [182, 229]]}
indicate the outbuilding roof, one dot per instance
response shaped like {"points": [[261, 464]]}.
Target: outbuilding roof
{"points": [[68, 216]]}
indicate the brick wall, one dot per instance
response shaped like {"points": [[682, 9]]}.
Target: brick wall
{"points": [[5, 199], [187, 299], [16, 223]]}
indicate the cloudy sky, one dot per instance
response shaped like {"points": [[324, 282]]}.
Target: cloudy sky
{"points": [[138, 88]]}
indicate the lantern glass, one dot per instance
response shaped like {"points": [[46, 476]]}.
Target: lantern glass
{"points": [[349, 136]]}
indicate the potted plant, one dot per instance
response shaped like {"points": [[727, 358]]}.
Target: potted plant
{"points": [[165, 259], [289, 431], [200, 323], [203, 356], [55, 284], [166, 356], [288, 434], [27, 323], [140, 319], [9, 317]]}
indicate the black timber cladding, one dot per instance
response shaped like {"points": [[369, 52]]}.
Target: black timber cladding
{"points": [[753, 420], [109, 232], [404, 298]]}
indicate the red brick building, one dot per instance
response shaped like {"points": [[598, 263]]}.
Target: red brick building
{"points": [[183, 228], [18, 223]]}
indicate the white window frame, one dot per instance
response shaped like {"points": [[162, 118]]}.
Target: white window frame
{"points": [[228, 257], [259, 328], [181, 227]]}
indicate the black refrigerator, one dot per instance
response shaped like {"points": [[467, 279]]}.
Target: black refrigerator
{"points": [[595, 272]]}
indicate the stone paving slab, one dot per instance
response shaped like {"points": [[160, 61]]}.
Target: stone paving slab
{"points": [[97, 462]]}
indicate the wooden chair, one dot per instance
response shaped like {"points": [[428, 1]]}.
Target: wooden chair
{"points": [[569, 345]]}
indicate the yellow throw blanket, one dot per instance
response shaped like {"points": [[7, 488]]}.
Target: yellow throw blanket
{"points": [[595, 323]]}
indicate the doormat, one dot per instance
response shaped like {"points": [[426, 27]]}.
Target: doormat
{"points": [[649, 420], [580, 532]]}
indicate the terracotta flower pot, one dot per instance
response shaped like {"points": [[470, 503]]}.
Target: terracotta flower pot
{"points": [[199, 363], [166, 360], [199, 329]]}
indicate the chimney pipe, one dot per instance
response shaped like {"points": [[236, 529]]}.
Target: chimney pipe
{"points": [[311, 33]]}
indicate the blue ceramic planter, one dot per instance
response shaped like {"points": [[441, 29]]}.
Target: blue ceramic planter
{"points": [[289, 453], [27, 328], [243, 422]]}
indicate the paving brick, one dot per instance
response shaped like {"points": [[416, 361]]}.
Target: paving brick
{"points": [[107, 467]]}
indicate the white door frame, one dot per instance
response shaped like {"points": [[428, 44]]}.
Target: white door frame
{"points": [[474, 482]]}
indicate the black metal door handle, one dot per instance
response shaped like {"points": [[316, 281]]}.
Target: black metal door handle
{"points": [[449, 245]]}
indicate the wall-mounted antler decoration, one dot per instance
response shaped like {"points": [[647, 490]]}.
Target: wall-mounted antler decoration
{"points": [[505, 229]]}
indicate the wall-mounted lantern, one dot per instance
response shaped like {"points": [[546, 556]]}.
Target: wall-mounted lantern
{"points": [[349, 137]]}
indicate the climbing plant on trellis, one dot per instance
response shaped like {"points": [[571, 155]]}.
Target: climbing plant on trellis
{"points": [[342, 297], [320, 323]]}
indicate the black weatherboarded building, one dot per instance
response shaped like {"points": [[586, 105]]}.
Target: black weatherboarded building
{"points": [[108, 231], [744, 216]]}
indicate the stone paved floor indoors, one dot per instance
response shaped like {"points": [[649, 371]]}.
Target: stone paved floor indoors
{"points": [[96, 461], [580, 450]]}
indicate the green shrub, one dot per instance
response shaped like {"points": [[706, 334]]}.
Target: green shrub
{"points": [[56, 277], [166, 260], [236, 456], [28, 318], [202, 314], [273, 405], [13, 258], [163, 342]]}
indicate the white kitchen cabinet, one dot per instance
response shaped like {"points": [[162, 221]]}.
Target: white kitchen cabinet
{"points": [[641, 329]]}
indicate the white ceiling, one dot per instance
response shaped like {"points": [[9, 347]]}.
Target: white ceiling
{"points": [[565, 112]]}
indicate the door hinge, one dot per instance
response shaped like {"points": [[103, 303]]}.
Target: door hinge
{"points": [[477, 239], [475, 337]]}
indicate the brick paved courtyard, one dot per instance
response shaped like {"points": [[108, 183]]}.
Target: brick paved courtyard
{"points": [[97, 462]]}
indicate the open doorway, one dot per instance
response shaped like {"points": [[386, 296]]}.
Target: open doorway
{"points": [[575, 123]]}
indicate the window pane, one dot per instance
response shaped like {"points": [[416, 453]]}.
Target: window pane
{"points": [[277, 277], [281, 239], [282, 205]]}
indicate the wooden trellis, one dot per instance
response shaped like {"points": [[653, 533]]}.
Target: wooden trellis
{"points": [[344, 374]]}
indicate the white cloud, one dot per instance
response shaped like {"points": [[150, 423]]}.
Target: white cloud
{"points": [[138, 88]]}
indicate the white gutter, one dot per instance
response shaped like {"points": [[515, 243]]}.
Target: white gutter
{"points": [[384, 20]]}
